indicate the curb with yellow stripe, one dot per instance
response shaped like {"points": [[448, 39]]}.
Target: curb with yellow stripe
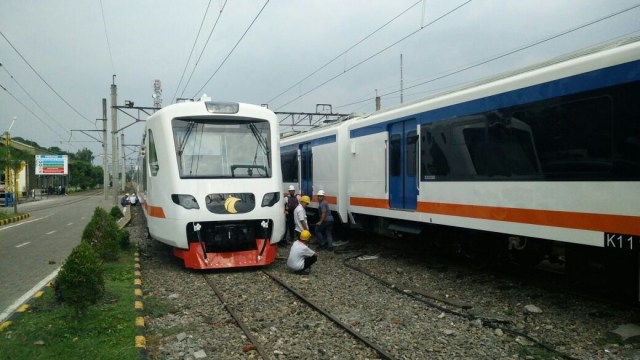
{"points": [[23, 308], [14, 219], [140, 340]]}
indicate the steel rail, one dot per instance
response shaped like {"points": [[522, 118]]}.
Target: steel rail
{"points": [[381, 352], [235, 316]]}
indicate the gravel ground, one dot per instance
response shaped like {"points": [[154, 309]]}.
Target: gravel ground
{"points": [[185, 320]]}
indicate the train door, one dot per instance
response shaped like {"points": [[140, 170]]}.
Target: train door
{"points": [[306, 170], [403, 165]]}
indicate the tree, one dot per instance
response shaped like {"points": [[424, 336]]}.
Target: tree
{"points": [[13, 159], [80, 282], [26, 142], [56, 150], [84, 155]]}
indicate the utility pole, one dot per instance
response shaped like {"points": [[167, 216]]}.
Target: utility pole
{"points": [[114, 140], [377, 101], [105, 175], [11, 172], [124, 172]]}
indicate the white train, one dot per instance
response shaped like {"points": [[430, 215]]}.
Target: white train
{"points": [[549, 155], [209, 181]]}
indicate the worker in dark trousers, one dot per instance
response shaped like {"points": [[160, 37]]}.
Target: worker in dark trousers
{"points": [[291, 203]]}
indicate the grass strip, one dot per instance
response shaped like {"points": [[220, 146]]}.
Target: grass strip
{"points": [[49, 330]]}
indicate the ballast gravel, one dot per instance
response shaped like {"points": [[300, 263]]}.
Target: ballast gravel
{"points": [[414, 308]]}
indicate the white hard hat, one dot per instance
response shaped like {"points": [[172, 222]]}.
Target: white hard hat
{"points": [[291, 187], [321, 193]]}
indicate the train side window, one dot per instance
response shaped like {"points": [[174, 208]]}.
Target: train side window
{"points": [[153, 156], [289, 162], [475, 139], [395, 153], [501, 149], [433, 162], [573, 137]]}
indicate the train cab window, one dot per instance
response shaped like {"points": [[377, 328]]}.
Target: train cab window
{"points": [[226, 148], [153, 156]]}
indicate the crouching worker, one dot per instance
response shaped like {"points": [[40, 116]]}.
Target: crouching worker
{"points": [[301, 257]]}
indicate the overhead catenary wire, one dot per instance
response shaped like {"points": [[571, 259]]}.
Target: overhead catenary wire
{"points": [[32, 113], [43, 80], [375, 54], [511, 52], [499, 56], [106, 35], [30, 97], [344, 52], [234, 47], [194, 47]]}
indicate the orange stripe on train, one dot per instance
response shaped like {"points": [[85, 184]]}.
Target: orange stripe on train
{"points": [[330, 199], [622, 224]]}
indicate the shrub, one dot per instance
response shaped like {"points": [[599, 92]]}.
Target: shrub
{"points": [[80, 282], [103, 234], [116, 212], [125, 241]]}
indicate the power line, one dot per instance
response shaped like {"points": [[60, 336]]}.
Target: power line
{"points": [[376, 54], [31, 97], [499, 56], [106, 35], [511, 52], [29, 110], [193, 48], [230, 52], [43, 80], [344, 52], [203, 48]]}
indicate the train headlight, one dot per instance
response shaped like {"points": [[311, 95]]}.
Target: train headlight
{"points": [[222, 107], [270, 199], [186, 201]]}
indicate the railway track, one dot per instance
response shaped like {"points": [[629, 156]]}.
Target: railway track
{"points": [[408, 307], [303, 311]]}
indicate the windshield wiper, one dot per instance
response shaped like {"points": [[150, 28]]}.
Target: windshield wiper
{"points": [[192, 124], [261, 141]]}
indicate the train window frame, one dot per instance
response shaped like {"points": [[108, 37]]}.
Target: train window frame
{"points": [[610, 132], [433, 162], [289, 165], [221, 148], [395, 155], [567, 154], [154, 165], [411, 152]]}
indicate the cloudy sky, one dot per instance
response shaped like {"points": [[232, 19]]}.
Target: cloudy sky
{"points": [[59, 57]]}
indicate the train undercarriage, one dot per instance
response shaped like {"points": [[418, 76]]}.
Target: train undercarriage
{"points": [[597, 270]]}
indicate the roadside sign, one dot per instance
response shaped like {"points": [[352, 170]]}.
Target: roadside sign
{"points": [[52, 164]]}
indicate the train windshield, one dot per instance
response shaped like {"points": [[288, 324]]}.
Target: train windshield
{"points": [[208, 148]]}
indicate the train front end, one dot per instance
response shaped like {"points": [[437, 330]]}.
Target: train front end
{"points": [[214, 187]]}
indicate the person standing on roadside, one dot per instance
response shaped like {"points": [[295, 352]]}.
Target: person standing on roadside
{"points": [[300, 215], [324, 226], [291, 203]]}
